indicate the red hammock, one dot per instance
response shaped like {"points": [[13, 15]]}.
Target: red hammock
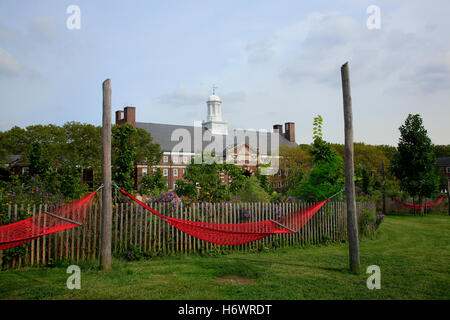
{"points": [[417, 206], [72, 215], [66, 216], [238, 233]]}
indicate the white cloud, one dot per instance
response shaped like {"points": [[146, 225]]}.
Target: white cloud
{"points": [[9, 66], [182, 97], [186, 97], [44, 27], [260, 50]]}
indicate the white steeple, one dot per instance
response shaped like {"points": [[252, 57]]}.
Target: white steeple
{"points": [[214, 121]]}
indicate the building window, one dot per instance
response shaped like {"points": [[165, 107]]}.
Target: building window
{"points": [[165, 172], [448, 169], [144, 171], [280, 184], [175, 159], [165, 159], [175, 172], [185, 159], [24, 170], [174, 185]]}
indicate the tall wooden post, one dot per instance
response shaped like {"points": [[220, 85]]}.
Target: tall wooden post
{"points": [[352, 224], [106, 225]]}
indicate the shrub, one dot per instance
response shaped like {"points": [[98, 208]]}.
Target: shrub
{"points": [[367, 223]]}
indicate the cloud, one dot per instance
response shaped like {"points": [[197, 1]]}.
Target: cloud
{"points": [[185, 97], [9, 66], [260, 50], [44, 27], [182, 97], [431, 74]]}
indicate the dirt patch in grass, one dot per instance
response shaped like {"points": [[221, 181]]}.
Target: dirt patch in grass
{"points": [[234, 279]]}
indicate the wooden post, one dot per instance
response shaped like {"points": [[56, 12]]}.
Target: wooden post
{"points": [[106, 217], [352, 225]]}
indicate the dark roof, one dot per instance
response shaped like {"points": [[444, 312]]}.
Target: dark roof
{"points": [[444, 161], [162, 134]]}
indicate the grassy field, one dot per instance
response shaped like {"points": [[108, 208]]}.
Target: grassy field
{"points": [[412, 252]]}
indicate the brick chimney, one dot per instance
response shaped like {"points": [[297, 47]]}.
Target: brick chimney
{"points": [[278, 128], [128, 115], [289, 131]]}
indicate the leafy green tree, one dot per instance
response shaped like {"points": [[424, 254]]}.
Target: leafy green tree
{"points": [[154, 182], [204, 181], [38, 166], [71, 185], [414, 162], [252, 191], [326, 176], [124, 153]]}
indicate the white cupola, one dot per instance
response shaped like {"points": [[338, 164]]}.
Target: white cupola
{"points": [[214, 121]]}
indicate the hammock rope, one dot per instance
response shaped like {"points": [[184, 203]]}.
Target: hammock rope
{"points": [[66, 216], [73, 214], [237, 233], [424, 205]]}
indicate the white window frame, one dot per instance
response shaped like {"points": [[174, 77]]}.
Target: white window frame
{"points": [[185, 159], [175, 172], [175, 159], [166, 159], [165, 172], [144, 171], [448, 169]]}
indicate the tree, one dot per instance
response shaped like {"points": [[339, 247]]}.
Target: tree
{"points": [[251, 191], [38, 166], [204, 182], [130, 147], [326, 176], [154, 182], [295, 163], [124, 153], [414, 162]]}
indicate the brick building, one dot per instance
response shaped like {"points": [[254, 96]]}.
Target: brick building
{"points": [[250, 149]]}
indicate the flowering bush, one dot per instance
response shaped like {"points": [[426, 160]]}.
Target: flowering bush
{"points": [[380, 218]]}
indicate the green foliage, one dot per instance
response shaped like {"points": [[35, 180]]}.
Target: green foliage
{"points": [[367, 223], [326, 176], [252, 191], [38, 166], [153, 183], [414, 163], [203, 182], [71, 185], [123, 156]]}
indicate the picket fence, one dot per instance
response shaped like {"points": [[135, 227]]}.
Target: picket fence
{"points": [[137, 230]]}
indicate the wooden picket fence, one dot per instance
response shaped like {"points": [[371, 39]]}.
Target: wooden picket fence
{"points": [[137, 230]]}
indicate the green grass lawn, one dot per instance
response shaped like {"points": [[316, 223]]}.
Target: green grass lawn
{"points": [[412, 252]]}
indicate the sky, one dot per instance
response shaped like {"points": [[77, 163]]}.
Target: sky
{"points": [[272, 62]]}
